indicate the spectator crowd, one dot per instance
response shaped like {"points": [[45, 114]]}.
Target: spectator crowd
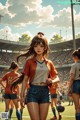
{"points": [[59, 58]]}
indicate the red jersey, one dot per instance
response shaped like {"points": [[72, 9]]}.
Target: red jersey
{"points": [[54, 88], [30, 68], [9, 78]]}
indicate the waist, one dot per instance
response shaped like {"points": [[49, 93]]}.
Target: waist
{"points": [[77, 80], [39, 84]]}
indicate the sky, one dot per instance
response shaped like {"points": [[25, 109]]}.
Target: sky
{"points": [[33, 16]]}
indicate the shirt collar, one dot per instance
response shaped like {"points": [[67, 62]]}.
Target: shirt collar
{"points": [[34, 59]]}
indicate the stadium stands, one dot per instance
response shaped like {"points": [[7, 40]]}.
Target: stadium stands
{"points": [[60, 55]]}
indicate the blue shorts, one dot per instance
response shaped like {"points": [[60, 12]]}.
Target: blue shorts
{"points": [[38, 94], [10, 96], [53, 96], [76, 87]]}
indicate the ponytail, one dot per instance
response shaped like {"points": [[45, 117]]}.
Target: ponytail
{"points": [[76, 53], [13, 65], [19, 80], [30, 52]]}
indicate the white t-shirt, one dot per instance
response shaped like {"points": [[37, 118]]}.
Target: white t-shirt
{"points": [[75, 69], [41, 73]]}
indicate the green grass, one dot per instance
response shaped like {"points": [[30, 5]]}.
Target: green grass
{"points": [[68, 114]]}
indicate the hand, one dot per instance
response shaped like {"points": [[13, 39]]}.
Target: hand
{"points": [[22, 102], [49, 81]]}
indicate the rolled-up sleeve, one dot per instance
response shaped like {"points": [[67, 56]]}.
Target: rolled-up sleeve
{"points": [[53, 70]]}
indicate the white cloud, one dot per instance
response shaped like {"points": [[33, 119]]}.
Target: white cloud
{"points": [[3, 9], [63, 19], [6, 34], [77, 20], [46, 13], [22, 12]]}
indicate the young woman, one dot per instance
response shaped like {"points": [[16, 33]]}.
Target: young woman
{"points": [[9, 95], [54, 91], [39, 72], [74, 86]]}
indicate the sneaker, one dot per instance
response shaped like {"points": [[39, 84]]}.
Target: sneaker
{"points": [[54, 118], [60, 117]]}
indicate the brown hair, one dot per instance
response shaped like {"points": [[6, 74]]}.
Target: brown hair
{"points": [[39, 38], [13, 65], [76, 53]]}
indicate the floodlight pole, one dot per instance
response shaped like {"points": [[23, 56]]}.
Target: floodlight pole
{"points": [[73, 29]]}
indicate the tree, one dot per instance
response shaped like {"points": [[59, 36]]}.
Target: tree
{"points": [[56, 39], [25, 38]]}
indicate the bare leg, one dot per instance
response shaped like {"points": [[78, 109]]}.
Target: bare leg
{"points": [[53, 106], [76, 98], [53, 102], [7, 104], [33, 109], [15, 101], [11, 109], [11, 104], [18, 114], [44, 111]]}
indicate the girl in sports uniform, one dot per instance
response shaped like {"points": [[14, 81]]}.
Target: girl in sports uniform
{"points": [[74, 85], [54, 91], [40, 72], [9, 95]]}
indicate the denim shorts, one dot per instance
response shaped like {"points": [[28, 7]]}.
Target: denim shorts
{"points": [[38, 94], [76, 87], [53, 96], [10, 96]]}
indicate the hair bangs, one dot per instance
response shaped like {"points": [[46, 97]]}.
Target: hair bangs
{"points": [[37, 41]]}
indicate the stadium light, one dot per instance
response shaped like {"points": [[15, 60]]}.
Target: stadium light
{"points": [[73, 29], [77, 2], [6, 34]]}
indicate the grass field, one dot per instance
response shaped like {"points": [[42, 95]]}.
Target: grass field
{"points": [[68, 114]]}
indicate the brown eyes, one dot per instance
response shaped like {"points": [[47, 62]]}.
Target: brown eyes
{"points": [[39, 45]]}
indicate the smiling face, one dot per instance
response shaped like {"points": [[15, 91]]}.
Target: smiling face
{"points": [[39, 45], [39, 48]]}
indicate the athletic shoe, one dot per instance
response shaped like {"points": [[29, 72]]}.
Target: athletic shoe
{"points": [[60, 117]]}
